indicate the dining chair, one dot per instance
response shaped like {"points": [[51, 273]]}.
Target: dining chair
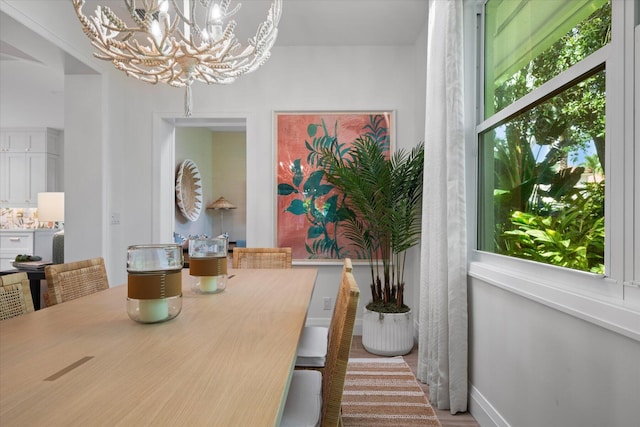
{"points": [[76, 279], [15, 295], [315, 398], [261, 257], [312, 347]]}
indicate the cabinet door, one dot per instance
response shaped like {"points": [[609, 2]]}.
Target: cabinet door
{"points": [[14, 142], [4, 180], [36, 165], [24, 141], [37, 142], [16, 179], [26, 166], [52, 173], [12, 244]]}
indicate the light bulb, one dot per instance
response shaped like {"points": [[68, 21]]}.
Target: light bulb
{"points": [[163, 6], [155, 31], [216, 13]]}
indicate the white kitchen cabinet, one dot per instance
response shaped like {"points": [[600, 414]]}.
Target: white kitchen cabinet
{"points": [[12, 243], [25, 140], [29, 160]]}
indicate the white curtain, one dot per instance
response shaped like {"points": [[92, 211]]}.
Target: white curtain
{"points": [[442, 357]]}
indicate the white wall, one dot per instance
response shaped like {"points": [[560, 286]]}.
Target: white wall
{"points": [[85, 161], [230, 181], [531, 365]]}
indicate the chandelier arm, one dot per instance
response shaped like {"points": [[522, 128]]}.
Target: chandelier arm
{"points": [[123, 30], [221, 50], [192, 13], [107, 14], [130, 56], [224, 5], [228, 31], [131, 7], [179, 12], [176, 78]]}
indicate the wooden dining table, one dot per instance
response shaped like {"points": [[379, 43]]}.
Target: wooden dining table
{"points": [[225, 360]]}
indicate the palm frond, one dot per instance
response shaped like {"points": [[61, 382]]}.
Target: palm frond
{"points": [[385, 196]]}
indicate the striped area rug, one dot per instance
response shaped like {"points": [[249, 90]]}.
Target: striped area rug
{"points": [[384, 392]]}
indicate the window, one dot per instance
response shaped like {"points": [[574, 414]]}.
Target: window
{"points": [[542, 140]]}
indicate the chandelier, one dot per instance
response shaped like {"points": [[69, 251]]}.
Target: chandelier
{"points": [[160, 42]]}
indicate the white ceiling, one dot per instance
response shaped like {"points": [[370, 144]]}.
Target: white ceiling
{"points": [[324, 22]]}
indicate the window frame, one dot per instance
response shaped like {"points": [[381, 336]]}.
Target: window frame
{"points": [[611, 300]]}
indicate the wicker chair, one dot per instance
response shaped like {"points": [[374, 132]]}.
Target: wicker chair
{"points": [[15, 295], [73, 280], [315, 398], [312, 348], [261, 257]]}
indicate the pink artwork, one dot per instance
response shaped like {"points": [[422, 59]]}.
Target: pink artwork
{"points": [[310, 210]]}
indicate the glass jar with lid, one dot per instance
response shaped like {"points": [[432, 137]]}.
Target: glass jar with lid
{"points": [[208, 264], [154, 285]]}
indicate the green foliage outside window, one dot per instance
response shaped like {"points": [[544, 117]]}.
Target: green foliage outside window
{"points": [[542, 171]]}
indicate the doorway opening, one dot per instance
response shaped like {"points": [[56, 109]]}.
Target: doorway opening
{"points": [[218, 146]]}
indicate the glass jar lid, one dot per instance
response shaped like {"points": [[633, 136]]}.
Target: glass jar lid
{"points": [[154, 257], [208, 247]]}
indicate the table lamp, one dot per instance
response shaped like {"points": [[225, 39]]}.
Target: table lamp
{"points": [[51, 208], [222, 205]]}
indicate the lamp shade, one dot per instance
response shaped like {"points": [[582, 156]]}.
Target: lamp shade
{"points": [[221, 203], [50, 207]]}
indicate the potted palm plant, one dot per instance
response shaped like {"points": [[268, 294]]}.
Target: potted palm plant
{"points": [[382, 218]]}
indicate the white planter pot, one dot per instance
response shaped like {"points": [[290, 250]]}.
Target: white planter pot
{"points": [[387, 334]]}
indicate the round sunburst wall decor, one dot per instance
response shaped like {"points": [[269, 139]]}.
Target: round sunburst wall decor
{"points": [[189, 190]]}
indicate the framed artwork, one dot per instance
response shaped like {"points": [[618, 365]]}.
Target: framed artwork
{"points": [[308, 216]]}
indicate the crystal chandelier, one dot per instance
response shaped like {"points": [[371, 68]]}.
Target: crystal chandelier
{"points": [[160, 42]]}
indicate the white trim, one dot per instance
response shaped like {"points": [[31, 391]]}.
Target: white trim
{"points": [[563, 79], [607, 313], [163, 173], [633, 175], [483, 411], [163, 154], [589, 284], [616, 188]]}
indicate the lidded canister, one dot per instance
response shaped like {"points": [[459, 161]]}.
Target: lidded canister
{"points": [[208, 264], [154, 285]]}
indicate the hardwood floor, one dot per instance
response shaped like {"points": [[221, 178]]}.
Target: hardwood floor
{"points": [[445, 417]]}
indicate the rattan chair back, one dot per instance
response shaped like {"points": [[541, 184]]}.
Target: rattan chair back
{"points": [[73, 280], [261, 257], [340, 337], [15, 295]]}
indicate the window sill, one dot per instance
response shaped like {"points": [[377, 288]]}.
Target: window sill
{"points": [[602, 308]]}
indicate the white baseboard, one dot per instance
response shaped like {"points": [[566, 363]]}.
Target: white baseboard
{"points": [[483, 411]]}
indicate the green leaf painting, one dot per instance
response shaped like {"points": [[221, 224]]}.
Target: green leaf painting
{"points": [[311, 212]]}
